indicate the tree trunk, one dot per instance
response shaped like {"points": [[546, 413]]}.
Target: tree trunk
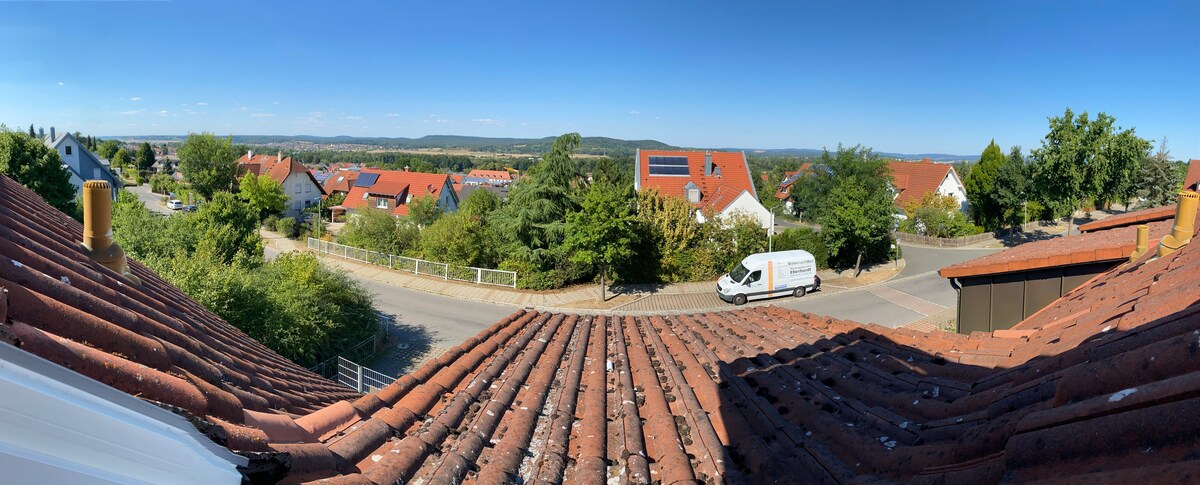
{"points": [[857, 264], [1070, 221], [603, 296]]}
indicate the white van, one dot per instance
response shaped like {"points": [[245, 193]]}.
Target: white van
{"points": [[765, 275]]}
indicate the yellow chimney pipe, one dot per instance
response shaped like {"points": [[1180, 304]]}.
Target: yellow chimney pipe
{"points": [[1143, 242], [98, 242], [1185, 219]]}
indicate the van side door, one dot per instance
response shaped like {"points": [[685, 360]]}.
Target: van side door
{"points": [[755, 282]]}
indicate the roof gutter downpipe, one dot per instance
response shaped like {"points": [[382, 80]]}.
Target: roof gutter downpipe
{"points": [[98, 242], [1185, 219]]}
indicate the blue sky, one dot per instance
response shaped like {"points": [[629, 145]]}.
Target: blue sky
{"points": [[897, 76]]}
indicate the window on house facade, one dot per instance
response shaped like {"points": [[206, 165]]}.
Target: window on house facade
{"points": [[307, 188], [381, 204], [68, 149]]}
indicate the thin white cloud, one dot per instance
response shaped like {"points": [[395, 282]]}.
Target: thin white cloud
{"points": [[60, 83], [262, 115], [274, 102], [354, 117], [484, 121], [163, 113], [202, 103], [392, 115], [135, 98], [243, 108], [635, 112], [131, 112]]}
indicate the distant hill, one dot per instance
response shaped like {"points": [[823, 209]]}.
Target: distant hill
{"points": [[592, 145]]}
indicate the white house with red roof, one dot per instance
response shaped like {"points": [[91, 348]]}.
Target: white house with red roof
{"points": [[488, 177], [297, 181], [717, 184], [395, 190], [912, 180]]}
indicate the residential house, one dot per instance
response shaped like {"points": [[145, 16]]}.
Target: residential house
{"points": [[488, 177], [298, 183], [394, 191], [81, 163], [340, 181], [784, 192], [717, 184], [107, 380], [913, 180]]}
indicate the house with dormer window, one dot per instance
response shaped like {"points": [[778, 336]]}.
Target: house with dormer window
{"points": [[716, 184]]}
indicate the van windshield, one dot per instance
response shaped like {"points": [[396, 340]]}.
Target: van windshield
{"points": [[739, 273]]}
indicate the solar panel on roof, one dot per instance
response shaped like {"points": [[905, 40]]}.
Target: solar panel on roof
{"points": [[673, 161], [366, 180], [668, 170]]}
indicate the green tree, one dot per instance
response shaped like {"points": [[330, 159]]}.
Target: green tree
{"points": [[602, 233], [981, 190], [227, 229], [32, 134], [424, 210], [120, 159], [806, 239], [1011, 190], [378, 230], [936, 215], [1125, 152], [534, 221], [457, 238], [208, 163], [1158, 182], [856, 220], [107, 149], [145, 157], [480, 203], [263, 194], [1082, 159], [31, 163]]}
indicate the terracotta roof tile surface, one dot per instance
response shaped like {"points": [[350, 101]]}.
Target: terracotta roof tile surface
{"points": [[789, 178], [1099, 387], [341, 181], [734, 176], [490, 174], [1108, 245], [915, 179], [396, 185], [277, 167], [149, 340], [1130, 218]]}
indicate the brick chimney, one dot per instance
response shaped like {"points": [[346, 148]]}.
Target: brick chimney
{"points": [[708, 164], [98, 242], [250, 154]]}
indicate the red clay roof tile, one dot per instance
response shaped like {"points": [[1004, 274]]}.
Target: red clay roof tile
{"points": [[1130, 219], [730, 177], [1108, 245], [915, 179]]}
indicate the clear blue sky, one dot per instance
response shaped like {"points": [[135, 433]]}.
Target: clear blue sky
{"points": [[897, 76]]}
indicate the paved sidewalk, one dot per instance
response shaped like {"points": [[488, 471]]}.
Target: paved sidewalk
{"points": [[677, 297]]}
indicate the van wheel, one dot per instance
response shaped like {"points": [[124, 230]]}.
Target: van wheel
{"points": [[739, 300], [799, 292]]}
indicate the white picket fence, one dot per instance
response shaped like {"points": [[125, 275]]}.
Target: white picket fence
{"points": [[362, 379], [481, 276]]}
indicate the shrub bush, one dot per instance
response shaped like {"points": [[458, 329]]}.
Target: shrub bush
{"points": [[270, 221], [806, 239], [286, 226]]}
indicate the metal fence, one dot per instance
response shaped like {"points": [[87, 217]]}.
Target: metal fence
{"points": [[481, 276], [363, 350], [362, 379]]}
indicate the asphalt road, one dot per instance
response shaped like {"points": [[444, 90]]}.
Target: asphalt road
{"points": [[152, 200]]}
